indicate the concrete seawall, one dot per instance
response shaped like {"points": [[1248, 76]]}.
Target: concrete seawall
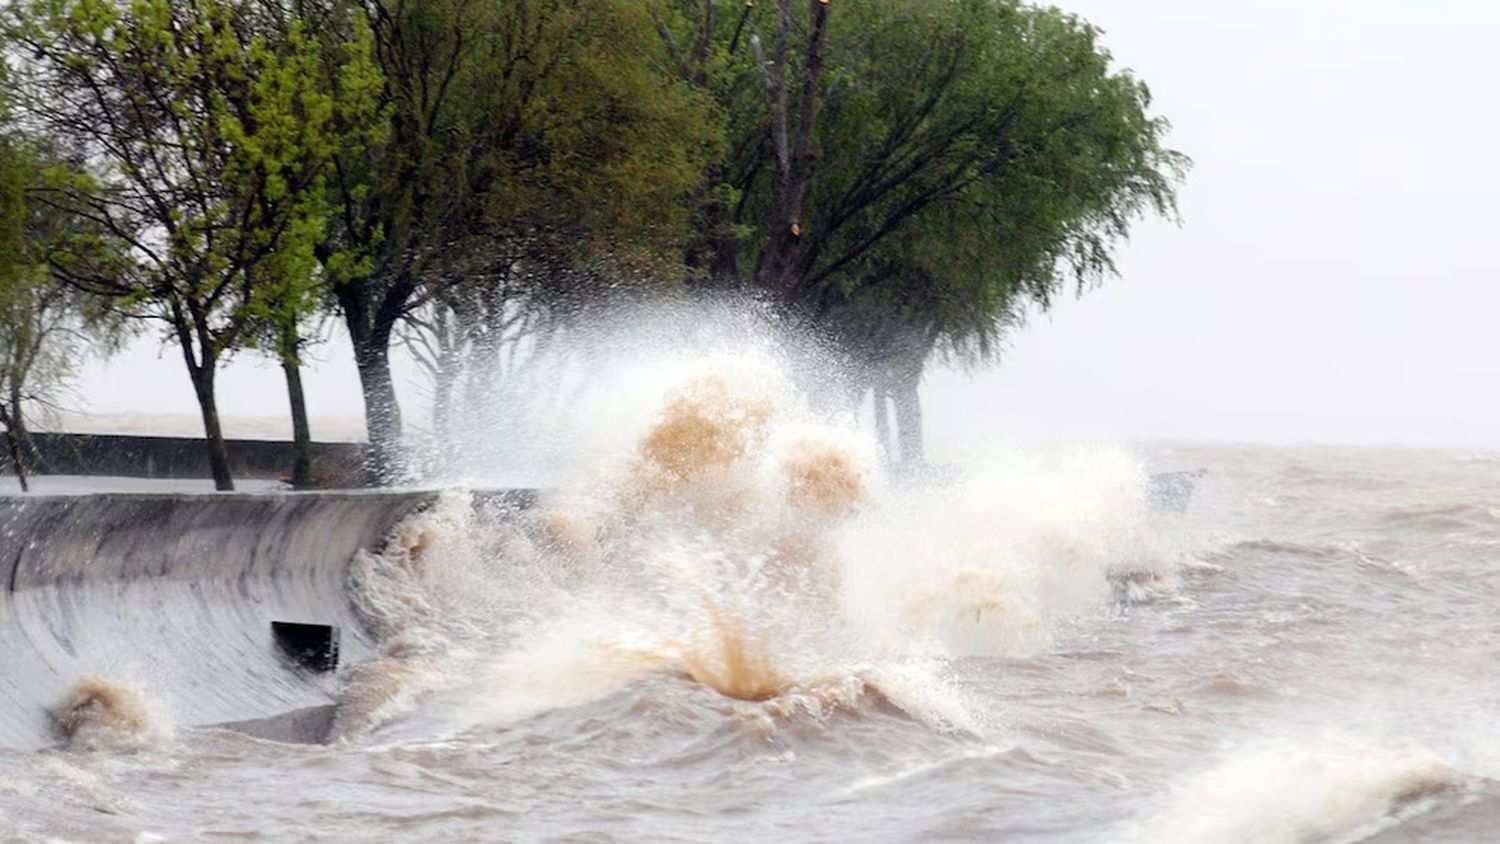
{"points": [[137, 456], [175, 594]]}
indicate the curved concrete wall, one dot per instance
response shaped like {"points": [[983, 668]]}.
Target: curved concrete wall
{"points": [[175, 594]]}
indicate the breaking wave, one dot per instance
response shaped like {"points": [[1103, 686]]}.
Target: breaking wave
{"points": [[721, 530], [1328, 789]]}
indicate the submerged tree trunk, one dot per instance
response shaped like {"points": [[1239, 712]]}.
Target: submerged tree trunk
{"points": [[442, 362], [13, 445], [443, 382], [301, 432], [19, 436], [909, 419]]}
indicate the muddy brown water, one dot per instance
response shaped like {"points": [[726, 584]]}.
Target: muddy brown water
{"points": [[1311, 658]]}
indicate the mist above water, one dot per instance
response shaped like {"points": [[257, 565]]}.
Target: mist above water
{"points": [[716, 524], [542, 410]]}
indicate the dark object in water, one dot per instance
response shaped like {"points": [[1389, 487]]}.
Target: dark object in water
{"points": [[1172, 490], [312, 646]]}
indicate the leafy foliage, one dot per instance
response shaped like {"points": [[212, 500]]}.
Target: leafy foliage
{"points": [[533, 149], [908, 177], [46, 329], [205, 131]]}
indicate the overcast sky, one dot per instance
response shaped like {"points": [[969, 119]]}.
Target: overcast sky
{"points": [[1333, 279]]}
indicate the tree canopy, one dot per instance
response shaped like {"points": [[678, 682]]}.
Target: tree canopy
{"points": [[908, 176], [524, 142], [205, 130], [903, 178]]}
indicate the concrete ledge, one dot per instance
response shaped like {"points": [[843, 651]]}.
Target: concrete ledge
{"points": [[175, 594], [135, 456]]}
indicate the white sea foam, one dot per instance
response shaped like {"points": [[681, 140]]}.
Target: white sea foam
{"points": [[720, 529], [1327, 788]]}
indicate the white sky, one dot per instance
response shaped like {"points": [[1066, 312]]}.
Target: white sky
{"points": [[1333, 279]]}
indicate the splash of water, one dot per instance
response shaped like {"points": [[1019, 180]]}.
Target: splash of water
{"points": [[416, 596], [1331, 788], [102, 714], [720, 530]]}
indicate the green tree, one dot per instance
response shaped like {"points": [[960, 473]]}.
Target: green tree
{"points": [[526, 140], [283, 304], [15, 274], [23, 313], [906, 177], [46, 328], [1069, 157], [207, 130]]}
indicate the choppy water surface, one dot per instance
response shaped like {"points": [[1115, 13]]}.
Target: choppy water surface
{"points": [[728, 624]]}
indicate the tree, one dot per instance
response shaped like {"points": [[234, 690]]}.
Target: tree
{"points": [[45, 327], [288, 295], [25, 316], [522, 136], [206, 130], [470, 330], [1072, 159], [941, 165], [28, 317], [793, 151]]}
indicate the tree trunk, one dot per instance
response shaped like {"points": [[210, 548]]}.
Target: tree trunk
{"points": [[202, 359], [12, 420], [301, 432], [883, 421], [14, 446], [909, 419], [382, 411], [213, 434], [793, 146], [371, 309]]}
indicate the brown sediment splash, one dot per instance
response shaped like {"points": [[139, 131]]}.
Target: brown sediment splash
{"points": [[712, 465], [688, 459], [701, 462], [98, 708], [707, 424], [980, 593], [565, 534], [824, 484], [977, 599], [823, 480], [731, 649], [693, 453], [730, 658], [970, 592]]}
